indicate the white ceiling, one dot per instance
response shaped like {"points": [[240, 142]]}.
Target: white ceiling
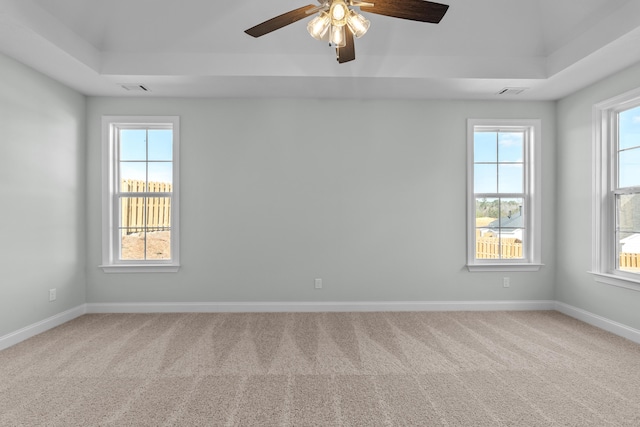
{"points": [[198, 48]]}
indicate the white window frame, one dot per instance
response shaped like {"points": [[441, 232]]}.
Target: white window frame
{"points": [[110, 180], [532, 195], [605, 170]]}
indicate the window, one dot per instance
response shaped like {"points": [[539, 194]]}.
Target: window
{"points": [[616, 202], [140, 194], [503, 195]]}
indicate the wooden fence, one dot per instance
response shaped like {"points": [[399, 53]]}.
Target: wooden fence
{"points": [[629, 260], [489, 248], [152, 213], [494, 247]]}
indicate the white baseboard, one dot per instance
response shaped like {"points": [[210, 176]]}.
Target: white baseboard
{"points": [[358, 306], [599, 321], [14, 338], [272, 307]]}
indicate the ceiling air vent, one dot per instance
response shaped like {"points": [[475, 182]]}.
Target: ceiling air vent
{"points": [[134, 87], [512, 90]]}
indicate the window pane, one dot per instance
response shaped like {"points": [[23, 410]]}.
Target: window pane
{"points": [[487, 211], [158, 214], [159, 244], [487, 247], [485, 178], [132, 245], [510, 146], [133, 144], [511, 213], [629, 128], [158, 228], [145, 225], [485, 147], [132, 211], [629, 252], [629, 168], [132, 235], [487, 228], [161, 172], [487, 242], [502, 237], [160, 144], [629, 213], [498, 247], [510, 178], [132, 186], [510, 246], [133, 171], [511, 230], [158, 221]]}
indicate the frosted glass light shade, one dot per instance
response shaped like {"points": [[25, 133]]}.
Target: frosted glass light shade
{"points": [[357, 23], [338, 36], [319, 25]]}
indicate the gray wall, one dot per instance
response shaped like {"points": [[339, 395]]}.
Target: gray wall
{"points": [[367, 195], [574, 285], [42, 195]]}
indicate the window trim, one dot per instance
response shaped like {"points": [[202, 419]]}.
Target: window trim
{"points": [[109, 186], [532, 195], [604, 168]]}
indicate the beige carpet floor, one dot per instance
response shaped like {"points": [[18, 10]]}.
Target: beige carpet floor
{"points": [[322, 369]]}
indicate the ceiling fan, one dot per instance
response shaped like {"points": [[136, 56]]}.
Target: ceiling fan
{"points": [[339, 24]]}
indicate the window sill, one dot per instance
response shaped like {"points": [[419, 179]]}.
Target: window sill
{"points": [[615, 280], [504, 267], [140, 268]]}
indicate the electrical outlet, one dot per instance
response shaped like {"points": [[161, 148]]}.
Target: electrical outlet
{"points": [[52, 295], [318, 283], [506, 282]]}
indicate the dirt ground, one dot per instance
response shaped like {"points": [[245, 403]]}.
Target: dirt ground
{"points": [[158, 245]]}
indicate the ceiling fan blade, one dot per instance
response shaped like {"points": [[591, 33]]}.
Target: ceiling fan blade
{"points": [[415, 10], [348, 52], [280, 21]]}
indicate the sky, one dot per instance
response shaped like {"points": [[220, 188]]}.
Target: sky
{"points": [[629, 146], [139, 160], [499, 166]]}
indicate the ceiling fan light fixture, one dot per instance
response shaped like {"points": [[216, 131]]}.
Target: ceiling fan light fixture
{"points": [[341, 25], [357, 23], [339, 13], [338, 36], [319, 25]]}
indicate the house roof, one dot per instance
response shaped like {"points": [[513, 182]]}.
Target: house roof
{"points": [[515, 220]]}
